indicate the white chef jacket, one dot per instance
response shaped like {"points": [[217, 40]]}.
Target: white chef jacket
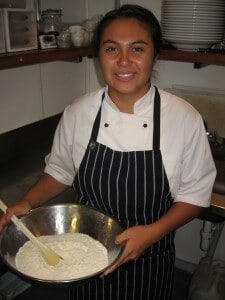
{"points": [[184, 146]]}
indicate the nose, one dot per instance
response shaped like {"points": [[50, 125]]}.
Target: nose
{"points": [[124, 58]]}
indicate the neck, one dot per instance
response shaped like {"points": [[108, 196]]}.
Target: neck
{"points": [[125, 102], [124, 105]]}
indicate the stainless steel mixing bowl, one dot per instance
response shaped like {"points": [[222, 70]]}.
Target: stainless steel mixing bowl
{"points": [[59, 219]]}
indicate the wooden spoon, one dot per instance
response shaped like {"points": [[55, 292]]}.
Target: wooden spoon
{"points": [[51, 257]]}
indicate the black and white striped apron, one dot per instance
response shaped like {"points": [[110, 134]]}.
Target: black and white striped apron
{"points": [[133, 188]]}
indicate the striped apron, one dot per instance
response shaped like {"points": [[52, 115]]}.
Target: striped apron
{"points": [[133, 188]]}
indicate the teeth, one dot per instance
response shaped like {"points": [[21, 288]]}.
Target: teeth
{"points": [[125, 75]]}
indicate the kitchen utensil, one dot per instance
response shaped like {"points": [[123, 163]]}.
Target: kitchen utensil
{"points": [[59, 219], [80, 37], [48, 254], [51, 21], [64, 39]]}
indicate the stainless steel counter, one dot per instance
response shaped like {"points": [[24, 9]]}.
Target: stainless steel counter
{"points": [[218, 204]]}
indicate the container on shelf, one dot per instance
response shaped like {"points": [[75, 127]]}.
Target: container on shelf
{"points": [[20, 29], [51, 22]]}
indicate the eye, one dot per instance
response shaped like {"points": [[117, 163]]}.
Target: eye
{"points": [[137, 49], [111, 49]]}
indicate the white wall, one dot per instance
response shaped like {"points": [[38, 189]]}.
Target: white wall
{"points": [[73, 11], [19, 94], [61, 82]]}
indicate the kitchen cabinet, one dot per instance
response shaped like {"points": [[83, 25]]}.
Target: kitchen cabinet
{"points": [[41, 56], [20, 100], [61, 83], [36, 92]]}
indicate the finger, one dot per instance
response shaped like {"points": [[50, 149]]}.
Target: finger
{"points": [[8, 215], [121, 238], [123, 258], [112, 268], [4, 222]]}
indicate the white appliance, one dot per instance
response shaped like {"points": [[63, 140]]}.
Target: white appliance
{"points": [[20, 29]]}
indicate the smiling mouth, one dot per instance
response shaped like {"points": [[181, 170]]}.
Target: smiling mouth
{"points": [[125, 76]]}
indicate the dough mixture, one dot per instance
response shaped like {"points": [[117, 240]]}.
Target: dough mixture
{"points": [[82, 256]]}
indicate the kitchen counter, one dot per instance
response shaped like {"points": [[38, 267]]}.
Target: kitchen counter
{"points": [[218, 205]]}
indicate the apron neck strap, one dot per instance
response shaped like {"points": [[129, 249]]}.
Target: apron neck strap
{"points": [[97, 121], [156, 120]]}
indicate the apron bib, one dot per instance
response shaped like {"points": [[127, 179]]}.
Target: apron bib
{"points": [[133, 188]]}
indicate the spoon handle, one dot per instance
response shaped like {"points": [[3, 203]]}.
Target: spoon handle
{"points": [[48, 254], [19, 224]]}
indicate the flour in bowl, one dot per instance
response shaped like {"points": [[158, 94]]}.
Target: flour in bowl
{"points": [[82, 256]]}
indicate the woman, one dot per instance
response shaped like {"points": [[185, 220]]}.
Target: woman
{"points": [[133, 152]]}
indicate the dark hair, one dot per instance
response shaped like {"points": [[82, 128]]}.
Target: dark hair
{"points": [[130, 11]]}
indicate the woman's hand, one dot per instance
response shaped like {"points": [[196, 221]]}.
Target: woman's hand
{"points": [[138, 238], [135, 240], [18, 209]]}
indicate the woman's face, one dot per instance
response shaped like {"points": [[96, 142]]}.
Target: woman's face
{"points": [[126, 57]]}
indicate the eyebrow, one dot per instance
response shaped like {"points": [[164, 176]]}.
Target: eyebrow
{"points": [[132, 43]]}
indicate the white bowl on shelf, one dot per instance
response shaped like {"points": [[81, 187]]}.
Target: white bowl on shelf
{"points": [[76, 28], [77, 39], [80, 39]]}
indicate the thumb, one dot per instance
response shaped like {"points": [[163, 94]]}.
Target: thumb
{"points": [[120, 239]]}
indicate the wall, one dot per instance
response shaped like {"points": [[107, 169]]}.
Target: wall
{"points": [[73, 11]]}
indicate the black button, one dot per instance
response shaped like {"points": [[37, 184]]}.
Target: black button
{"points": [[92, 145], [145, 125], [106, 125]]}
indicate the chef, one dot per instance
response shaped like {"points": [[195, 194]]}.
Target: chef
{"points": [[134, 152]]}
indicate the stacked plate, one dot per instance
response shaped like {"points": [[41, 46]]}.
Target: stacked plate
{"points": [[193, 24]]}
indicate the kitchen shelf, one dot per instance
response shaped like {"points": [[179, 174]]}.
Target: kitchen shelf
{"points": [[18, 59], [200, 58]]}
